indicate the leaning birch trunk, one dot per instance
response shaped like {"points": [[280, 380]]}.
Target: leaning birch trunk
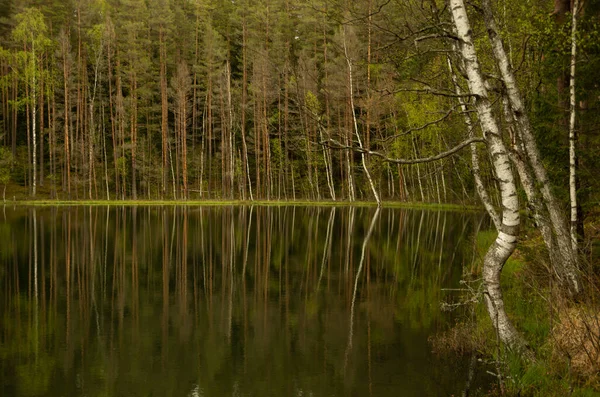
{"points": [[480, 187], [362, 153], [506, 241], [572, 135], [567, 267], [327, 161], [536, 205]]}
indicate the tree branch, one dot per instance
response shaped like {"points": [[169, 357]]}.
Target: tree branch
{"points": [[431, 91], [423, 126], [439, 156]]}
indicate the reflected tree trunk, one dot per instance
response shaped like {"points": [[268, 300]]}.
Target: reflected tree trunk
{"points": [[358, 273]]}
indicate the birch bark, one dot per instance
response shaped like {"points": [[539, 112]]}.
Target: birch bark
{"points": [[506, 241], [480, 187], [572, 132], [566, 267], [362, 155]]}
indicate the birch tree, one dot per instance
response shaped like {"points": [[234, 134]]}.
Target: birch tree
{"points": [[506, 240], [354, 120], [572, 132], [31, 31], [563, 257]]}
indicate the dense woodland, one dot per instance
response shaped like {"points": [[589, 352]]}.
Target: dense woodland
{"points": [[490, 101], [274, 99]]}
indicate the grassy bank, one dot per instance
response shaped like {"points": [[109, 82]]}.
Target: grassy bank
{"points": [[273, 203], [564, 334], [19, 196]]}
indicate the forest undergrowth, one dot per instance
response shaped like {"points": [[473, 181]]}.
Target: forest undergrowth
{"points": [[563, 333]]}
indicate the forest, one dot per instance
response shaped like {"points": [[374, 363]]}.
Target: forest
{"points": [[486, 103], [277, 100]]}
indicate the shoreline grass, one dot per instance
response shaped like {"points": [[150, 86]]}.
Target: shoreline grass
{"points": [[220, 203]]}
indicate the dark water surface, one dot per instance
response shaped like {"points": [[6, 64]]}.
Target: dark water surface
{"points": [[228, 301]]}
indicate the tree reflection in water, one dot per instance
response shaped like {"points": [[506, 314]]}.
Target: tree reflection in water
{"points": [[228, 300]]}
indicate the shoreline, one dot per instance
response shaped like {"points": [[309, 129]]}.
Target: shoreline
{"points": [[223, 203]]}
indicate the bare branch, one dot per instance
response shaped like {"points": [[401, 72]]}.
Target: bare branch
{"points": [[432, 91], [446, 35], [439, 156], [423, 126]]}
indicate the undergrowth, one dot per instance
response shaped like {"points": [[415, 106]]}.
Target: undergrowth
{"points": [[564, 334]]}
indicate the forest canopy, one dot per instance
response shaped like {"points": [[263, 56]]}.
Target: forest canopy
{"points": [[274, 99]]}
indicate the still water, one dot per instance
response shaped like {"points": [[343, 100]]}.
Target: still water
{"points": [[228, 301]]}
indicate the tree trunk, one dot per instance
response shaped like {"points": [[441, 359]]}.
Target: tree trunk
{"points": [[246, 165], [66, 72], [506, 240], [34, 116], [164, 109], [364, 163], [567, 267], [479, 186], [572, 132], [133, 129]]}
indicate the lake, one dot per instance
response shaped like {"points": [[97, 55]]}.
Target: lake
{"points": [[229, 300]]}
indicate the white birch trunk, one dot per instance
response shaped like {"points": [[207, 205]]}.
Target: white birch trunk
{"points": [[350, 177], [362, 154], [528, 182], [572, 132], [567, 267], [479, 186], [506, 241], [418, 171], [327, 161]]}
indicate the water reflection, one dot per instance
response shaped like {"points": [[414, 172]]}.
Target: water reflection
{"points": [[226, 301]]}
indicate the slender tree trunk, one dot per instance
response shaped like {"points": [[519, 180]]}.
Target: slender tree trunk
{"points": [[350, 82], [267, 139], [184, 159], [111, 105], [34, 104], [15, 90], [224, 140], [572, 131], [164, 109], [230, 140], [133, 130], [349, 171], [567, 267], [52, 138], [419, 181], [42, 94], [106, 180], [209, 125], [506, 240], [66, 75], [120, 115], [479, 186], [92, 127], [246, 165]]}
